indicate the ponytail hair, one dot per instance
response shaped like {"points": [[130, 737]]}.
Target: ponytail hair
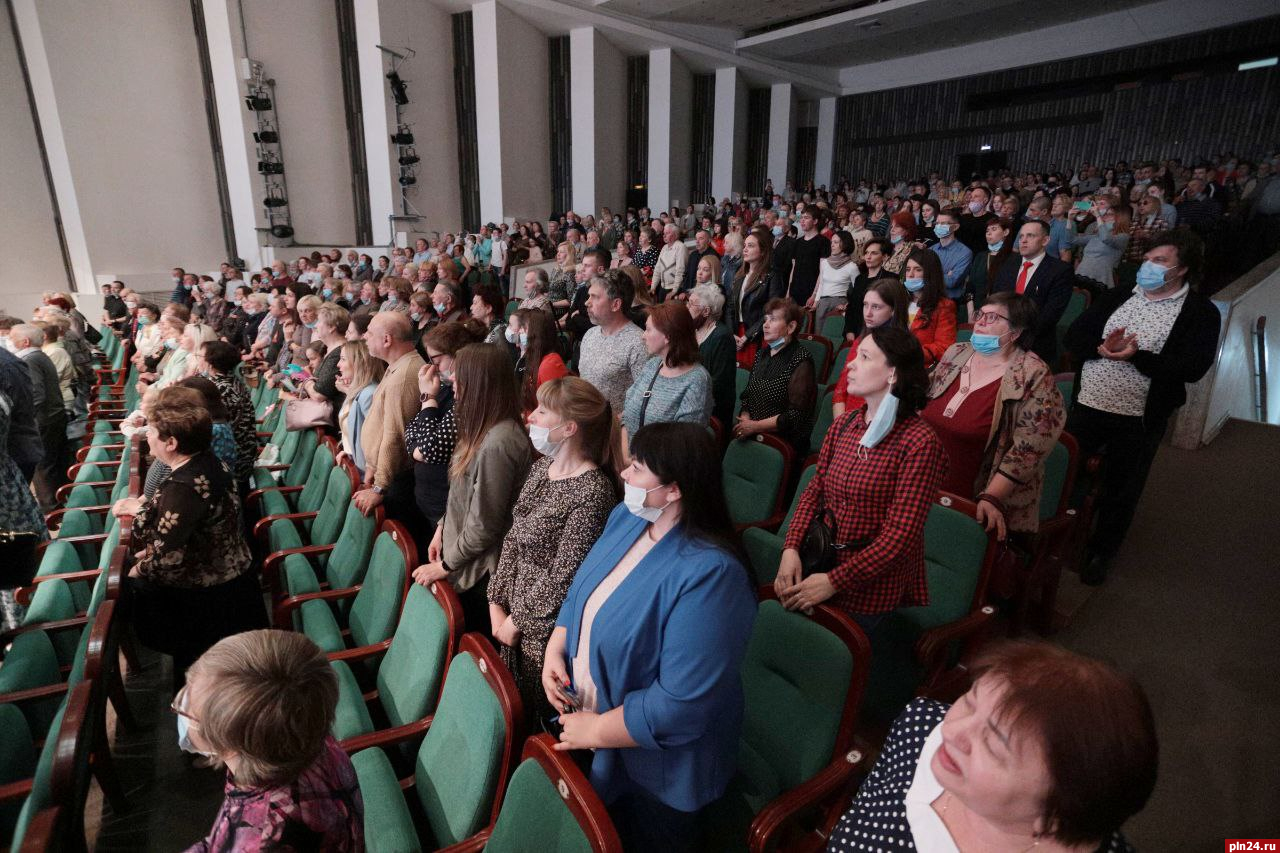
{"points": [[600, 436]]}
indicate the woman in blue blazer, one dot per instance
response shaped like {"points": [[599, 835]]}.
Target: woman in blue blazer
{"points": [[644, 661]]}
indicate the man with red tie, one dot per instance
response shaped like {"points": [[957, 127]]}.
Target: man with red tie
{"points": [[1046, 279]]}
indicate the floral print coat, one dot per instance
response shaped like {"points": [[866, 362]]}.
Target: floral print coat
{"points": [[1028, 418]]}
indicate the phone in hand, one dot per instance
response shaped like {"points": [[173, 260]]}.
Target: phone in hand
{"points": [[1082, 205]]}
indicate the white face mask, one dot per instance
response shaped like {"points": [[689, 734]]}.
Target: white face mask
{"points": [[634, 496], [541, 438]]}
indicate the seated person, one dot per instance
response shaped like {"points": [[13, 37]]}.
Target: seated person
{"points": [[262, 703], [1049, 751], [933, 315], [884, 304]]}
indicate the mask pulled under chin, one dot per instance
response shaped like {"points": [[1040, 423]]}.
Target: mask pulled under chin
{"points": [[882, 422]]}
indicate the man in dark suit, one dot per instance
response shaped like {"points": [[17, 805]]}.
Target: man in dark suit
{"points": [[51, 418], [1047, 280]]}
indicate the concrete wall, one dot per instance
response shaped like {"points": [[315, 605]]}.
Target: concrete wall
{"points": [[670, 129], [598, 85], [297, 42], [139, 152], [33, 260], [522, 77], [429, 76]]}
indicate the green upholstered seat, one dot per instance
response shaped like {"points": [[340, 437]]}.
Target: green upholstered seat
{"points": [[838, 365], [955, 546], [17, 761], [820, 350], [753, 475], [456, 771], [326, 527], [342, 567], [375, 610], [822, 422], [833, 329], [312, 494], [763, 547], [1057, 467], [296, 448], [535, 817], [31, 662], [409, 674], [41, 794], [740, 378]]}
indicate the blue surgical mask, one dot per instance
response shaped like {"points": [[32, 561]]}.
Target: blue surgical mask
{"points": [[311, 325], [942, 229], [778, 344], [439, 306], [524, 339], [895, 240], [327, 292], [170, 344], [882, 422], [1151, 275], [184, 739], [415, 316], [995, 247], [985, 344], [913, 284], [392, 299], [777, 231]]}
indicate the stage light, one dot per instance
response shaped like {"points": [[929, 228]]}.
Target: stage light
{"points": [[284, 232], [266, 137], [407, 180], [257, 102], [409, 157], [275, 201], [399, 91], [268, 168], [402, 138]]}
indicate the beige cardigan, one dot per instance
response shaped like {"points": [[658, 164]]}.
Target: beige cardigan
{"points": [[478, 513]]}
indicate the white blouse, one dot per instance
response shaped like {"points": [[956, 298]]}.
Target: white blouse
{"points": [[835, 282]]}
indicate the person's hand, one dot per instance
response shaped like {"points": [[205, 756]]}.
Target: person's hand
{"points": [[991, 518], [435, 546], [555, 678], [745, 427], [507, 633], [809, 593], [126, 506], [429, 573], [429, 380], [1119, 345], [366, 499], [789, 571], [812, 302], [579, 730], [739, 341]]}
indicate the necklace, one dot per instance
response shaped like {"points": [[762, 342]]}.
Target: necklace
{"points": [[946, 802]]}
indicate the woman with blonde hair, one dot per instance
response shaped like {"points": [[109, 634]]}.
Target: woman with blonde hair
{"points": [[564, 277], [730, 260], [557, 518], [358, 376], [262, 704], [489, 466], [1104, 247]]}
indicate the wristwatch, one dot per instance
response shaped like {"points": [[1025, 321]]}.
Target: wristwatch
{"points": [[423, 398], [377, 490]]}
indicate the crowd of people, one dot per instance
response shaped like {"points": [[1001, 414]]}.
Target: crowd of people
{"points": [[558, 462]]}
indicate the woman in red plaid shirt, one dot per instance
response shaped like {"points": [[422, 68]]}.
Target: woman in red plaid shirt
{"points": [[879, 470]]}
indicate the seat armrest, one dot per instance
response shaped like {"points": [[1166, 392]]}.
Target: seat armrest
{"points": [[284, 608], [263, 525], [816, 792], [388, 737], [932, 646]]}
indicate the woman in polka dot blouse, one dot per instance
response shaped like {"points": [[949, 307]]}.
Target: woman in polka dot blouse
{"points": [[1049, 751]]}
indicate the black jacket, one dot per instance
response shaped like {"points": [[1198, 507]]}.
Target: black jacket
{"points": [[25, 446], [1050, 288], [1186, 356], [750, 313]]}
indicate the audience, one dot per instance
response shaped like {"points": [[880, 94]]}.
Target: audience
{"points": [[358, 376], [192, 581], [782, 387], [874, 254], [932, 314], [754, 286], [1047, 749], [613, 351], [715, 349], [998, 413], [1047, 280], [879, 471], [488, 468], [262, 704], [672, 385], [537, 360], [645, 673], [557, 518]]}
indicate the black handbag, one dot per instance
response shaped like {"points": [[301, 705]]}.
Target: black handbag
{"points": [[819, 550]]}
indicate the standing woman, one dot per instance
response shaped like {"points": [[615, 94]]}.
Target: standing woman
{"points": [[561, 285], [878, 473], [559, 515], [432, 435], [872, 268], [933, 315], [998, 413], [753, 286], [878, 222], [715, 349], [672, 385], [884, 304], [651, 638], [358, 376], [19, 512], [488, 468], [219, 360], [488, 307], [535, 340], [647, 255], [837, 278], [730, 261], [1104, 249], [193, 581]]}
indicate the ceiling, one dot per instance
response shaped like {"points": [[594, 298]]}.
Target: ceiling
{"points": [[739, 16]]}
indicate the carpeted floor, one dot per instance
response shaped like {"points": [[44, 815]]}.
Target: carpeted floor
{"points": [[1190, 609]]}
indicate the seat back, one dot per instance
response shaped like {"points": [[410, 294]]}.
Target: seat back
{"points": [[1059, 477], [1075, 307], [17, 761], [822, 421], [411, 671], [956, 555], [799, 675], [754, 474], [376, 608], [833, 329], [964, 332], [821, 350], [838, 365], [303, 452], [346, 564], [79, 523], [326, 528], [313, 490], [740, 378], [550, 805], [466, 756], [62, 772]]}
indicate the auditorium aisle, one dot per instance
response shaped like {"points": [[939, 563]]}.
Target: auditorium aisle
{"points": [[1191, 607]]}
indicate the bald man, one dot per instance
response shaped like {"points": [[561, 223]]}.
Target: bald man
{"points": [[388, 474]]}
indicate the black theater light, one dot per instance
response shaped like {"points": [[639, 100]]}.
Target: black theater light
{"points": [[407, 180], [409, 157], [269, 168], [399, 90], [257, 102], [403, 137], [284, 232], [275, 201], [266, 137]]}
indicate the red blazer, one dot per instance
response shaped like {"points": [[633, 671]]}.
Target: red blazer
{"points": [[937, 332]]}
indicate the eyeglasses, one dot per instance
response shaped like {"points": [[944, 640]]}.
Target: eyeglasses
{"points": [[989, 317], [179, 705]]}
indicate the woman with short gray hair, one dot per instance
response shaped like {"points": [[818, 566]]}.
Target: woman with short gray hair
{"points": [[716, 347]]}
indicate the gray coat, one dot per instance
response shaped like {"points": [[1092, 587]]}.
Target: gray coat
{"points": [[478, 513]]}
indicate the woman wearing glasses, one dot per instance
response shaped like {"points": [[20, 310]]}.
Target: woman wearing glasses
{"points": [[995, 407]]}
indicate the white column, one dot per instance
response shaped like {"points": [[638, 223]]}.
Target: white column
{"points": [[824, 160], [782, 132], [582, 121], [670, 119], [232, 131], [55, 143], [728, 147], [377, 113], [484, 32]]}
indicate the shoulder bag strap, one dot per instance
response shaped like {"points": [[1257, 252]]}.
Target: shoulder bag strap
{"points": [[648, 393]]}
